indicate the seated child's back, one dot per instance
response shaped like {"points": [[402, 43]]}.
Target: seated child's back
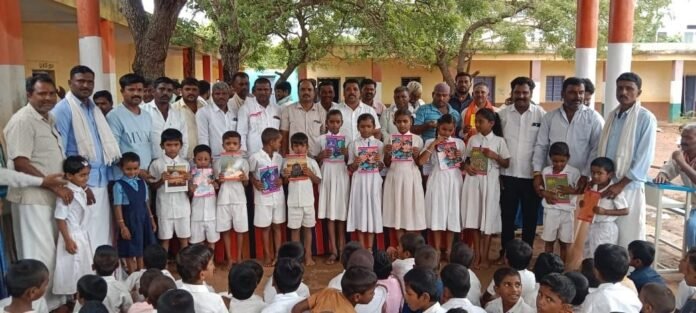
{"points": [[242, 281], [611, 266]]}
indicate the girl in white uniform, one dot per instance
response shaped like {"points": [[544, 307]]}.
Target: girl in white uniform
{"points": [[365, 159], [335, 183], [404, 201], [603, 228], [443, 190], [74, 250], [481, 190]]}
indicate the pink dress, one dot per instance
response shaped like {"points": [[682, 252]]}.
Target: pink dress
{"points": [[395, 296]]}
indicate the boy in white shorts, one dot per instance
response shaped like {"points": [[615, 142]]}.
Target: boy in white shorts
{"points": [[269, 200], [203, 200], [173, 208], [233, 172], [301, 172]]}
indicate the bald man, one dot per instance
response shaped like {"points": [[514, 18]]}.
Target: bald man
{"points": [[427, 115]]}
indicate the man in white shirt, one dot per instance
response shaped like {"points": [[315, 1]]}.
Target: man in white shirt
{"points": [[368, 90], [256, 115], [282, 94], [164, 117], [611, 266], [521, 123], [326, 96], [240, 89], [215, 120], [189, 104], [305, 117], [387, 117], [352, 108]]}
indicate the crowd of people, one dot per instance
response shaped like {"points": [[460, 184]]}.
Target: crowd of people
{"points": [[198, 163]]}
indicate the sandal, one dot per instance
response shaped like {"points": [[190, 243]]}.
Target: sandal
{"points": [[332, 259]]}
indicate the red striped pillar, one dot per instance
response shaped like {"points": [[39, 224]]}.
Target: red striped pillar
{"points": [[619, 48], [11, 60], [206, 67], [90, 43], [106, 30], [188, 62], [586, 40]]}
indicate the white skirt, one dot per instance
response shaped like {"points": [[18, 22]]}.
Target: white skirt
{"points": [[404, 201], [333, 192], [365, 209], [442, 200], [481, 203], [70, 267]]}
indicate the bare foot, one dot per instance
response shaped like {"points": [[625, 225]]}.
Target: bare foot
{"points": [[332, 259], [309, 261]]}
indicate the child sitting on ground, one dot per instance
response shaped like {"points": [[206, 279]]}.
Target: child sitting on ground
{"points": [[242, 281], [26, 281], [556, 294], [508, 285], [293, 250], [176, 301], [581, 289], [90, 288], [456, 282], [154, 257], [383, 269], [357, 287], [642, 254], [349, 248], [463, 255], [93, 307], [287, 277], [546, 263], [118, 299], [195, 265], [405, 253], [158, 287], [421, 291], [145, 280], [611, 266], [518, 255], [656, 298]]}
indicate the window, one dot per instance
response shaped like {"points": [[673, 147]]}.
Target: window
{"points": [[406, 80], [490, 82], [554, 88]]}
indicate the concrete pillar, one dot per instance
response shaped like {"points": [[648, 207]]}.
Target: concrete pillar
{"points": [[206, 67], [90, 43], [535, 75], [11, 60], [377, 77], [106, 30], [586, 41], [619, 48], [676, 90]]}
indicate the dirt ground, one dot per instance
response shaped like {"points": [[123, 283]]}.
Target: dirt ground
{"points": [[318, 276]]}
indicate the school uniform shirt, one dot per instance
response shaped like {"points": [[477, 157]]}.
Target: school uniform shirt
{"points": [[282, 303], [520, 133], [610, 297], [301, 192], [252, 305], [496, 306], [683, 294], [573, 175], [435, 308], [529, 292], [350, 119], [38, 306], [462, 303], [401, 267], [295, 119], [170, 205], [133, 133], [120, 197], [258, 161], [252, 119], [212, 123], [619, 202], [118, 297], [133, 280], [205, 301], [175, 120], [335, 282], [231, 192], [474, 294], [269, 292]]}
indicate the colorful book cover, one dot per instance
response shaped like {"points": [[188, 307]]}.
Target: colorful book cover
{"points": [[589, 201], [554, 182], [335, 144], [479, 161], [402, 148], [202, 178], [268, 176], [231, 166], [370, 165], [177, 179], [447, 155], [296, 163]]}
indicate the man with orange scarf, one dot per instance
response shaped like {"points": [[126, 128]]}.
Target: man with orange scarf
{"points": [[468, 127]]}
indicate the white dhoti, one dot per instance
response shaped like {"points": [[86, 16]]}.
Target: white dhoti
{"points": [[35, 235], [100, 229], [632, 226]]}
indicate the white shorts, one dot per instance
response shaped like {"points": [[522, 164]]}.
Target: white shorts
{"points": [[558, 224], [265, 215], [301, 216], [167, 227], [203, 231], [599, 234], [229, 215]]}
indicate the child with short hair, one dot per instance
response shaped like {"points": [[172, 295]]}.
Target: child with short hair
{"points": [[546, 263], [132, 212], [90, 288], [556, 294], [335, 184], [642, 254], [603, 228], [173, 207], [348, 250], [159, 286], [203, 208], [611, 266], [508, 285], [518, 255], [587, 270], [421, 291], [486, 153], [287, 277], [242, 281], [455, 278], [581, 289], [74, 249], [444, 185], [195, 265], [27, 281], [301, 194], [269, 199], [559, 201], [357, 287], [176, 301], [404, 199], [383, 268], [406, 251], [118, 298], [365, 156], [656, 298], [463, 255], [145, 280], [231, 213], [154, 257], [293, 250]]}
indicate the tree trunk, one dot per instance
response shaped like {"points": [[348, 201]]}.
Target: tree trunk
{"points": [[443, 64], [287, 72], [231, 60]]}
